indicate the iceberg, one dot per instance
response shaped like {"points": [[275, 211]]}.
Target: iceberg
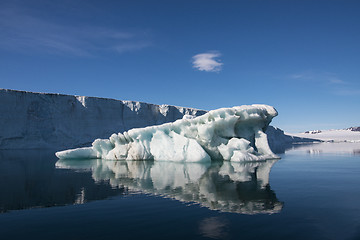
{"points": [[232, 134]]}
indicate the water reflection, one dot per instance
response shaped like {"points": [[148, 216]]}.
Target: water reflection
{"points": [[351, 148], [356, 151], [314, 151], [223, 186], [29, 180], [214, 227]]}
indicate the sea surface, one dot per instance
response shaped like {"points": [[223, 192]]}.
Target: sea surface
{"points": [[312, 192]]}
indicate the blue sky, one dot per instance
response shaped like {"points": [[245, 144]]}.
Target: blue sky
{"points": [[302, 57]]}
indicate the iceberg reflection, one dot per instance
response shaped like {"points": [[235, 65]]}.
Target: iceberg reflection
{"points": [[223, 186]]}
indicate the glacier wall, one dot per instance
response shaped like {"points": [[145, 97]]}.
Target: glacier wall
{"points": [[42, 120]]}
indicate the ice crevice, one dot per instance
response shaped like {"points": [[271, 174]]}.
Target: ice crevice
{"points": [[231, 134]]}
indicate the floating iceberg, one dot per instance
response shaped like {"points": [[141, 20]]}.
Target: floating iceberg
{"points": [[232, 134]]}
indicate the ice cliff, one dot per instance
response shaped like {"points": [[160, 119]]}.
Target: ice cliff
{"points": [[42, 120], [232, 134]]}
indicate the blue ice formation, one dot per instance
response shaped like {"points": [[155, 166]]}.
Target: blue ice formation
{"points": [[231, 134]]}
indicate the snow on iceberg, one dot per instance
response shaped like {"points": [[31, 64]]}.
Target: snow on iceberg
{"points": [[233, 134]]}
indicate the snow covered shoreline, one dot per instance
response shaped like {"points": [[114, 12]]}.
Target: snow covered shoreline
{"points": [[338, 135]]}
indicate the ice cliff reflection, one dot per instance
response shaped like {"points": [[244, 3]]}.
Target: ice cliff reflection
{"points": [[223, 186], [29, 179]]}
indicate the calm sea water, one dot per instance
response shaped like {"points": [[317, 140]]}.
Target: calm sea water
{"points": [[313, 192]]}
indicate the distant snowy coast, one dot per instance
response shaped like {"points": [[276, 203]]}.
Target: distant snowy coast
{"points": [[338, 135]]}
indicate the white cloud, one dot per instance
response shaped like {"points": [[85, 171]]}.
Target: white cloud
{"points": [[347, 92], [304, 76], [324, 77], [337, 81], [27, 33], [127, 47], [296, 76], [328, 81], [207, 62]]}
